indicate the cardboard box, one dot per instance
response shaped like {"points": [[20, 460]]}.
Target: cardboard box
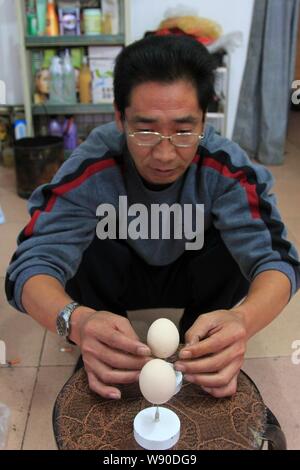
{"points": [[102, 61]]}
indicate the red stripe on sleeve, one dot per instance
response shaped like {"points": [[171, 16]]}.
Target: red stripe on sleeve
{"points": [[64, 188], [240, 175], [29, 228]]}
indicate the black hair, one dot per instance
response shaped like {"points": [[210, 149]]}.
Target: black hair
{"points": [[164, 59]]}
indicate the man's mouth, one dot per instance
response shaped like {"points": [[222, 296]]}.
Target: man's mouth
{"points": [[165, 170]]}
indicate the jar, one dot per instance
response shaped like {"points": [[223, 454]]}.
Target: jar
{"points": [[92, 21]]}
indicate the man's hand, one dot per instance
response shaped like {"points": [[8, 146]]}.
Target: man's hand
{"points": [[214, 352], [111, 351]]}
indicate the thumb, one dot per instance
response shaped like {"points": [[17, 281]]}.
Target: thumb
{"points": [[126, 328], [199, 330]]}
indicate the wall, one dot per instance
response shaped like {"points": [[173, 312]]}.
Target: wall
{"points": [[232, 15], [10, 68]]}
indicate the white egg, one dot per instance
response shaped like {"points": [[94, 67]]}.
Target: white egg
{"points": [[157, 381], [163, 338]]}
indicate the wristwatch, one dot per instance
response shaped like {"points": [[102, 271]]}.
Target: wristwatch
{"points": [[63, 326]]}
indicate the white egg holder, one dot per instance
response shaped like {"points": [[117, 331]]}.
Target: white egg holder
{"points": [[156, 435]]}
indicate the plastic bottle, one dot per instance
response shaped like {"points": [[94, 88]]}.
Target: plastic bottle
{"points": [[85, 82], [19, 122], [41, 11], [55, 127], [56, 82], [52, 20], [32, 26], [70, 134], [69, 80]]}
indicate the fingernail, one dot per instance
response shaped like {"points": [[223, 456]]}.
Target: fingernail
{"points": [[185, 354], [189, 378], [143, 351], [180, 367], [114, 395]]}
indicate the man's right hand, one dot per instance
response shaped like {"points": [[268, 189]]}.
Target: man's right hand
{"points": [[111, 350]]}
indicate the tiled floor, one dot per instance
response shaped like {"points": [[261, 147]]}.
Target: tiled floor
{"points": [[30, 387]]}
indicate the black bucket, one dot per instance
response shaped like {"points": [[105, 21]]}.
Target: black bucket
{"points": [[37, 159]]}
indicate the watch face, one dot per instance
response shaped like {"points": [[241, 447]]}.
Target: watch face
{"points": [[61, 326]]}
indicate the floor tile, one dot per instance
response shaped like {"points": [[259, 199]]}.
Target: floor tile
{"points": [[8, 236], [23, 336], [294, 227], [277, 338], [16, 391], [8, 179], [39, 432], [278, 380], [13, 207], [57, 352]]}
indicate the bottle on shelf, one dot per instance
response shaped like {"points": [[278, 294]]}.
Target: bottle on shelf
{"points": [[70, 134], [85, 82], [41, 11], [55, 127], [19, 123], [32, 26], [69, 80], [52, 20], [56, 95]]}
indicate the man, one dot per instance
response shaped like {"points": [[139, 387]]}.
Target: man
{"points": [[76, 248]]}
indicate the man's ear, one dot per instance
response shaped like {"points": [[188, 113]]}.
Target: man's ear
{"points": [[118, 119]]}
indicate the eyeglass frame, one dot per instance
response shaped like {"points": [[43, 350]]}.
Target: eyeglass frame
{"points": [[162, 137]]}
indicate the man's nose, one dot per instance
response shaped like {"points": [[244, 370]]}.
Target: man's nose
{"points": [[165, 151]]}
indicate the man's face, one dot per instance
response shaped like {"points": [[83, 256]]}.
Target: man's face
{"points": [[168, 109]]}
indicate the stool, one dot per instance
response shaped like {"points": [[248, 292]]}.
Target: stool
{"points": [[83, 420]]}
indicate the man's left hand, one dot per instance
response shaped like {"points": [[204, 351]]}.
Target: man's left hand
{"points": [[214, 352]]}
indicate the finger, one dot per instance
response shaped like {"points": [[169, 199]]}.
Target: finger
{"points": [[119, 360], [106, 376], [226, 391], [118, 340], [124, 326], [102, 389], [214, 343], [219, 379], [204, 324], [214, 362]]}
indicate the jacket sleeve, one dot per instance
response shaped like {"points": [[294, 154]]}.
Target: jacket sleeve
{"points": [[245, 212], [62, 226]]}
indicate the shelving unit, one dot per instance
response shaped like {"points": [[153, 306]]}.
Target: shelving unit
{"points": [[53, 109], [29, 44], [218, 118], [32, 43], [38, 42]]}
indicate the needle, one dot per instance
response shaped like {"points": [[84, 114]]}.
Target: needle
{"points": [[156, 419]]}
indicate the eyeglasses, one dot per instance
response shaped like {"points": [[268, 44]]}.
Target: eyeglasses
{"points": [[180, 139]]}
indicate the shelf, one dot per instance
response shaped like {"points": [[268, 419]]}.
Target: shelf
{"points": [[51, 109], [74, 41]]}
